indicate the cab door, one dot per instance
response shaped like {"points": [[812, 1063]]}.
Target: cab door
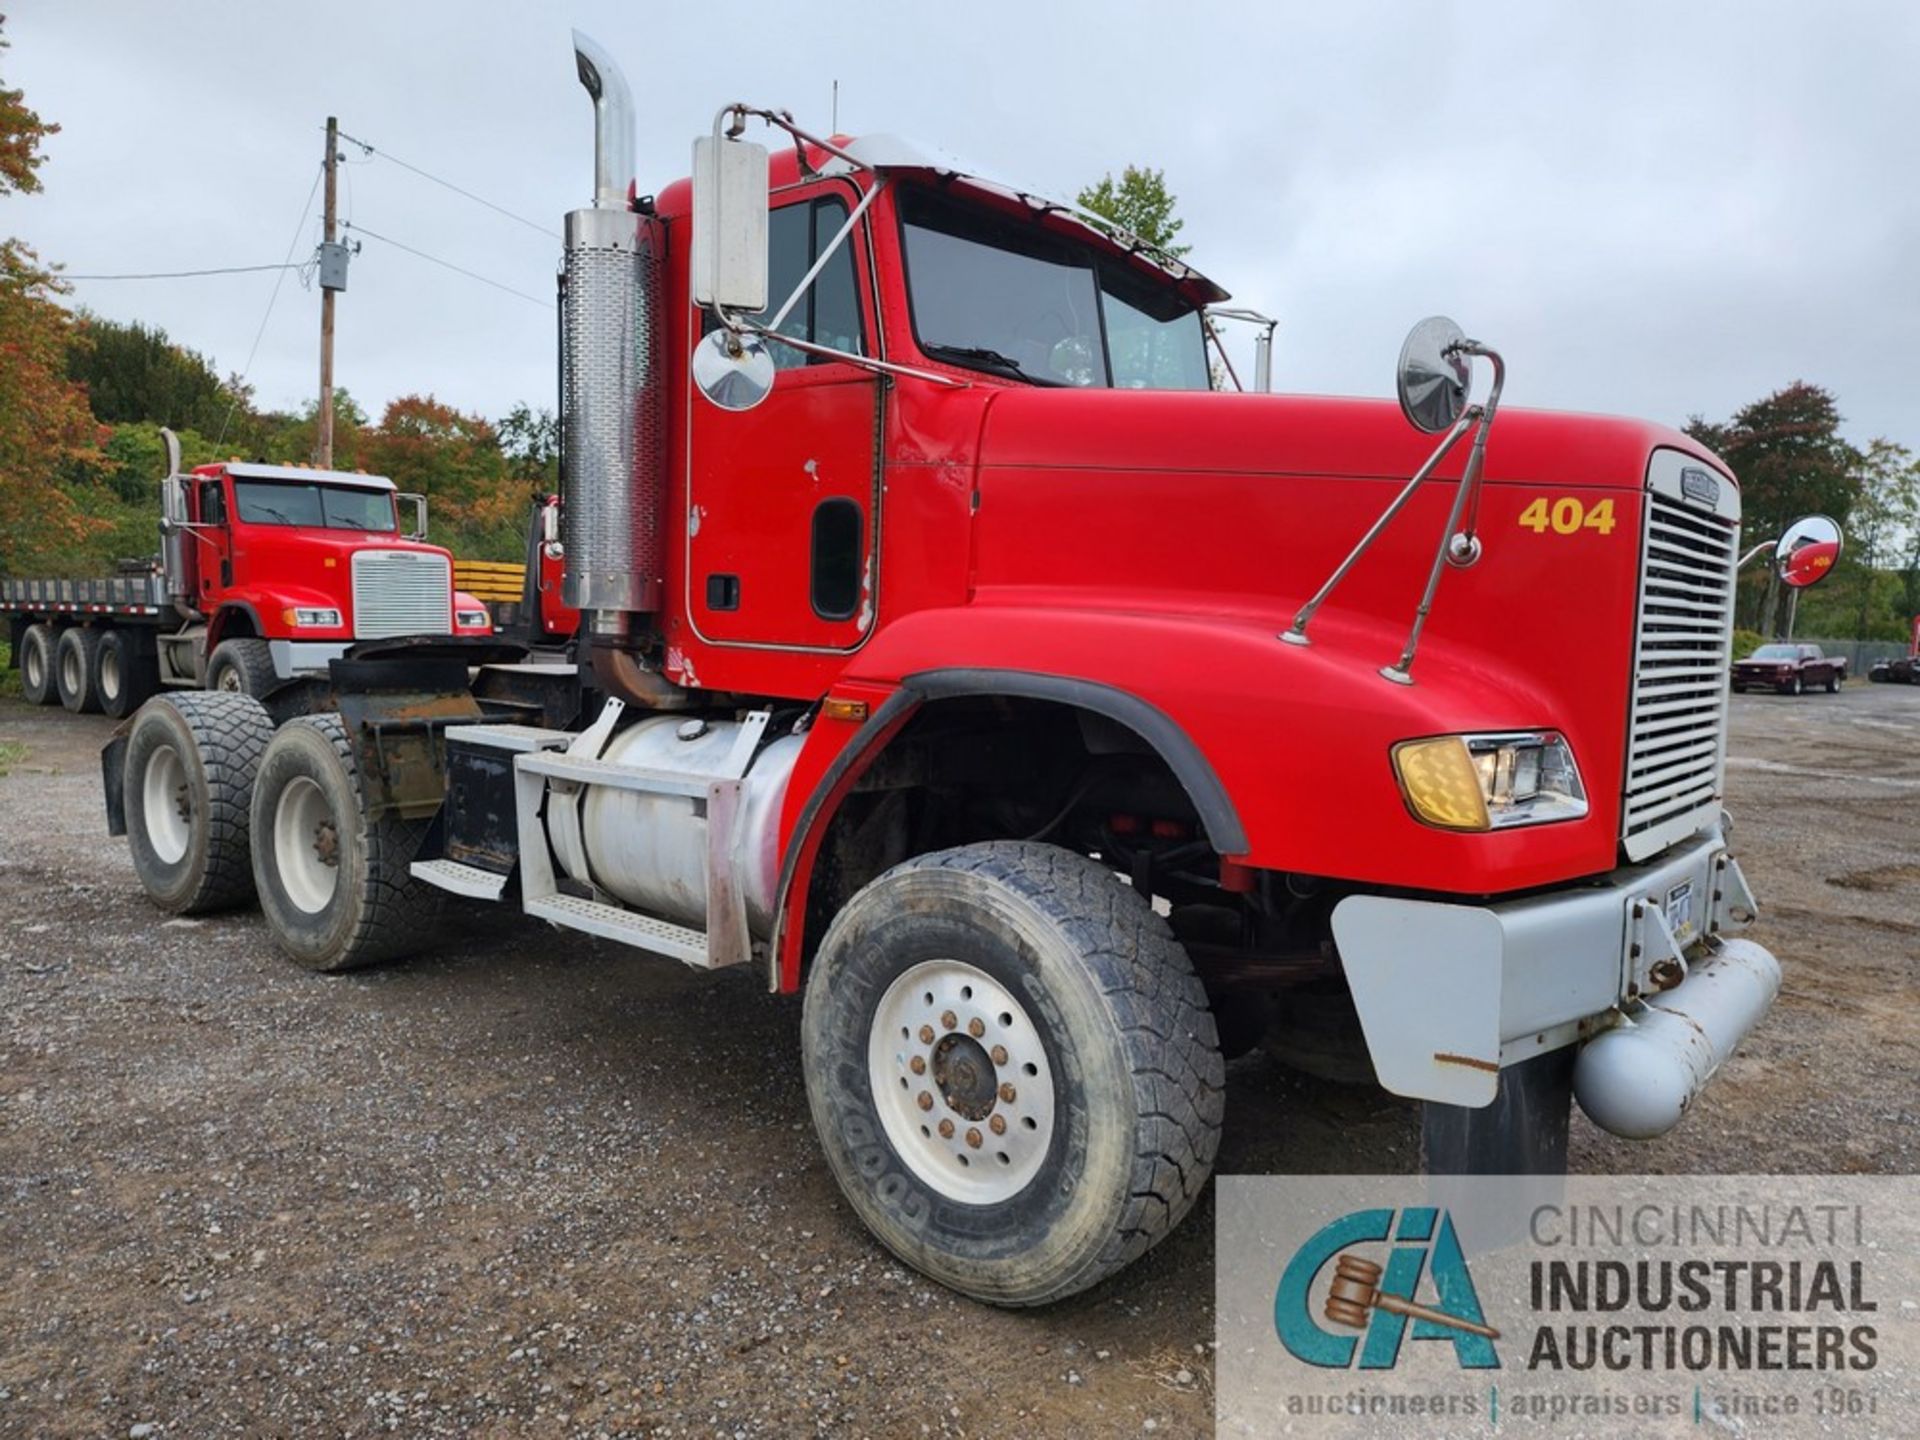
{"points": [[214, 538], [784, 497]]}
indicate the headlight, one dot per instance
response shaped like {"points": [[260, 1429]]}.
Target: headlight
{"points": [[472, 619], [1488, 782], [329, 619]]}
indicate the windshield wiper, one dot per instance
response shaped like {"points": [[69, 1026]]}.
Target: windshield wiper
{"points": [[989, 359]]}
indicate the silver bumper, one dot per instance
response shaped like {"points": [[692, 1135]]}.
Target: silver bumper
{"points": [[1449, 994], [304, 657]]}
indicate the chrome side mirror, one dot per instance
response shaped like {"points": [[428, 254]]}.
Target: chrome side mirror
{"points": [[733, 371], [729, 223], [419, 531], [1808, 551], [1433, 374]]}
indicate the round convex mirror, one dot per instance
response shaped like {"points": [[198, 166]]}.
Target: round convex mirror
{"points": [[1808, 551], [1433, 374], [734, 371]]}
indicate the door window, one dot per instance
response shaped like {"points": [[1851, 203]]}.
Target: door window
{"points": [[829, 313]]}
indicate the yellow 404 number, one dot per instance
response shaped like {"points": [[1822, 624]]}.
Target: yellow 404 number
{"points": [[1567, 516]]}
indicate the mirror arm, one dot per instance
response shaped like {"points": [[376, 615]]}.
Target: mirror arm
{"points": [[1220, 349], [865, 362], [1296, 634], [781, 120], [1463, 545], [833, 248], [1755, 553]]}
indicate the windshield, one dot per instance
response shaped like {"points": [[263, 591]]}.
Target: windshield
{"points": [[1002, 295], [1775, 652], [324, 507]]}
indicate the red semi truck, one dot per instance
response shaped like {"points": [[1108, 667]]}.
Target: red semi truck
{"points": [[950, 651], [266, 572]]}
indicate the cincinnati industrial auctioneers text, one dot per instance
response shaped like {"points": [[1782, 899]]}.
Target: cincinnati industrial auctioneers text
{"points": [[1719, 1314]]}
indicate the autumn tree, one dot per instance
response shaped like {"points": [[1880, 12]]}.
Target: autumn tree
{"points": [[1787, 452], [46, 430], [455, 460], [1138, 202]]}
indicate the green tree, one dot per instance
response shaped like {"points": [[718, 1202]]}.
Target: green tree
{"points": [[1787, 451], [135, 373], [1138, 202], [530, 439], [1881, 532]]}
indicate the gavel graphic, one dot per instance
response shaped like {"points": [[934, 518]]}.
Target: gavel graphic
{"points": [[1356, 1290]]}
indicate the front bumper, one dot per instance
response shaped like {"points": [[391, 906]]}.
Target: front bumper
{"points": [[1449, 994], [304, 657]]}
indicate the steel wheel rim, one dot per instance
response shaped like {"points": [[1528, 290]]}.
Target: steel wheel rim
{"points": [[305, 845], [980, 1061], [228, 679], [71, 674], [166, 804], [34, 663], [110, 674]]}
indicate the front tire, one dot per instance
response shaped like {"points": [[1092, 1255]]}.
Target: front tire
{"points": [[242, 666], [73, 663], [36, 665], [1033, 989], [334, 882], [190, 766]]}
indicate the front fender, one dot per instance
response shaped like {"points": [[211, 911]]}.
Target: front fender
{"points": [[1298, 738]]}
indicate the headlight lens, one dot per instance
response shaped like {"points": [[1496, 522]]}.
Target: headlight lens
{"points": [[472, 619], [1489, 782], [326, 618]]}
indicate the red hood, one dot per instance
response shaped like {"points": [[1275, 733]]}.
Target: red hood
{"points": [[1306, 435]]}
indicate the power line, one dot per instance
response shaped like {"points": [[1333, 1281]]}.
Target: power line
{"points": [[183, 274], [448, 184], [306, 208], [448, 265]]}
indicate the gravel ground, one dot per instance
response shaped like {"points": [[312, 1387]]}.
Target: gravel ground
{"points": [[531, 1185]]}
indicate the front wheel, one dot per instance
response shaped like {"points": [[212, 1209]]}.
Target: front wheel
{"points": [[1799, 686], [244, 665], [1012, 1069], [334, 881], [1833, 683]]}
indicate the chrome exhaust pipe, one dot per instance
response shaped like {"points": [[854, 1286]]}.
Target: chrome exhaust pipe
{"points": [[613, 124], [1638, 1079]]}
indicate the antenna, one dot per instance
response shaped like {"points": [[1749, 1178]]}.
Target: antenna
{"points": [[833, 111]]}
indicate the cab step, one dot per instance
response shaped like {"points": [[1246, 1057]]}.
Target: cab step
{"points": [[628, 927], [468, 880]]}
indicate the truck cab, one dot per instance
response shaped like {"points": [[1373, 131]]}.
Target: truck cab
{"points": [[951, 650], [285, 566]]}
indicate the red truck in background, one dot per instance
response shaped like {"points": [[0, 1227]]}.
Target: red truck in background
{"points": [[949, 650], [266, 572], [1790, 667]]}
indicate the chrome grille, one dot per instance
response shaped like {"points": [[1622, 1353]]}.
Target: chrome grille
{"points": [[1677, 723], [401, 592]]}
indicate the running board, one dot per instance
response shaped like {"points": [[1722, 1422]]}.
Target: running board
{"points": [[609, 922], [468, 880]]}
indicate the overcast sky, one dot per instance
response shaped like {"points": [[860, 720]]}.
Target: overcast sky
{"points": [[1650, 209]]}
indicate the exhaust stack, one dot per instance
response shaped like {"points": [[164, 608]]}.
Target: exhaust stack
{"points": [[612, 390]]}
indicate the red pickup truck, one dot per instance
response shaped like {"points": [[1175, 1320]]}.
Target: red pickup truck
{"points": [[1792, 669]]}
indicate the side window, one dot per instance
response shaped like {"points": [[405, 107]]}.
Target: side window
{"points": [[213, 504], [829, 313]]}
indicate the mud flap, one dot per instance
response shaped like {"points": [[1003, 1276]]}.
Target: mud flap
{"points": [[113, 780], [1523, 1132]]}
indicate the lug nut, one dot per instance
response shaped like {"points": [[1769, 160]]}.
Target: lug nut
{"points": [[976, 1027], [946, 1129], [926, 1034], [997, 1124], [947, 1020], [1008, 1093], [973, 1139], [925, 1101], [998, 1054], [918, 1064]]}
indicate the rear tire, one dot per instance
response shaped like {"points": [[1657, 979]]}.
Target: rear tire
{"points": [[334, 883], [242, 666], [190, 767], [124, 676], [73, 660], [1104, 1069], [36, 665]]}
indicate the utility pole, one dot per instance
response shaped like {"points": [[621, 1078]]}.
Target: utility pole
{"points": [[323, 440]]}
